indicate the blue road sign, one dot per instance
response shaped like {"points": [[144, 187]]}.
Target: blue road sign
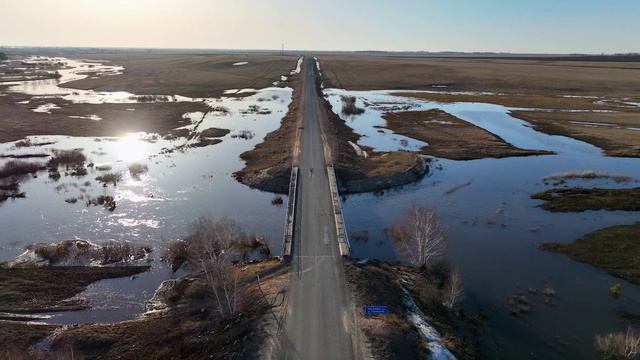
{"points": [[376, 310]]}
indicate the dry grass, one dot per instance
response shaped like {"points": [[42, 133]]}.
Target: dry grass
{"points": [[561, 178], [268, 165], [511, 100], [583, 199], [19, 121], [541, 77], [613, 136], [450, 137], [136, 169], [188, 75], [110, 178], [19, 168], [619, 346], [68, 158]]}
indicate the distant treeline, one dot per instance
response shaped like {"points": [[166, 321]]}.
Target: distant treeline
{"points": [[3, 56]]}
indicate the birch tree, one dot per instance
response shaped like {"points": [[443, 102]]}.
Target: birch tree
{"points": [[420, 238], [453, 292], [210, 249]]}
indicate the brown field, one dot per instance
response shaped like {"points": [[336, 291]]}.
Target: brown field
{"points": [[615, 79], [19, 121], [622, 139], [555, 102], [532, 83], [458, 140], [188, 75]]}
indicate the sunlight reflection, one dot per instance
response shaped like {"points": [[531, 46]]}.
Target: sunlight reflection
{"points": [[131, 148]]}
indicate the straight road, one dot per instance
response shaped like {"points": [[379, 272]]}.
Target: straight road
{"points": [[318, 321]]}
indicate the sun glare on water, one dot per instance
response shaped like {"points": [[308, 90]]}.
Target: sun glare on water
{"points": [[131, 148]]}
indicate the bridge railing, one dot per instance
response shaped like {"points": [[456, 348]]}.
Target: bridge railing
{"points": [[291, 214], [343, 239]]}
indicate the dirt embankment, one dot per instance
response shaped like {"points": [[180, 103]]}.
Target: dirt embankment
{"points": [[393, 336], [452, 138], [372, 172], [268, 165], [18, 120]]}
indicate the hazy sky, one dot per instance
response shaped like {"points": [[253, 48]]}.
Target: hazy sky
{"points": [[557, 26]]}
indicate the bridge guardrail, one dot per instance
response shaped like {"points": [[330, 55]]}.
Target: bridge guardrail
{"points": [[291, 214]]}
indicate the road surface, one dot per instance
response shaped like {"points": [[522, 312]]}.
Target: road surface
{"points": [[318, 319]]}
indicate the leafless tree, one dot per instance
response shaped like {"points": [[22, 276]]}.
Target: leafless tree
{"points": [[210, 250], [453, 292], [420, 238], [619, 345]]}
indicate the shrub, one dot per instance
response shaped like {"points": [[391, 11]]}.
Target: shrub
{"points": [[69, 158], [18, 167], [136, 169], [107, 178], [619, 346], [349, 105], [277, 200]]}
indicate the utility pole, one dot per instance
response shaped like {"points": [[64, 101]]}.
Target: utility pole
{"points": [[282, 53]]}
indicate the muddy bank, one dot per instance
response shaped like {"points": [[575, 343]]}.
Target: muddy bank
{"points": [[450, 137], [19, 120], [359, 168], [614, 249], [268, 165], [182, 323], [581, 199], [46, 276], [393, 336], [617, 133], [47, 288]]}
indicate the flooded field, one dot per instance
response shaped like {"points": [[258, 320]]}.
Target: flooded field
{"points": [[495, 228], [162, 183]]}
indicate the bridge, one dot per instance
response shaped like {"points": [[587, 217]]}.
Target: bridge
{"points": [[320, 318]]}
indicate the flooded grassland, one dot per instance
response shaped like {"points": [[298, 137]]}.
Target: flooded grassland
{"points": [[537, 304], [105, 166]]}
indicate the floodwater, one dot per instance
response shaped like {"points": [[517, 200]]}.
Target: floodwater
{"points": [[495, 230], [181, 183]]}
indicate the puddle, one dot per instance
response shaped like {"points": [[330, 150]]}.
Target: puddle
{"points": [[495, 230]]}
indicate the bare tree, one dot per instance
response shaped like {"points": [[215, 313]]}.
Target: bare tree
{"points": [[420, 238], [619, 345], [210, 250], [453, 292]]}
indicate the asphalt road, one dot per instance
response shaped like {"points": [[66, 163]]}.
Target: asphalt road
{"points": [[318, 319]]}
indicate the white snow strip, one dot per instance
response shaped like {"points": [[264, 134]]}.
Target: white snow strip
{"points": [[298, 67], [437, 350], [441, 122], [87, 117], [358, 150], [46, 108], [240, 63]]}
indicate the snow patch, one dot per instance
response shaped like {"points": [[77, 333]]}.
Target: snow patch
{"points": [[437, 350]]}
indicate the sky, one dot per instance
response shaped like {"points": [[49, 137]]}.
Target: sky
{"points": [[522, 26]]}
